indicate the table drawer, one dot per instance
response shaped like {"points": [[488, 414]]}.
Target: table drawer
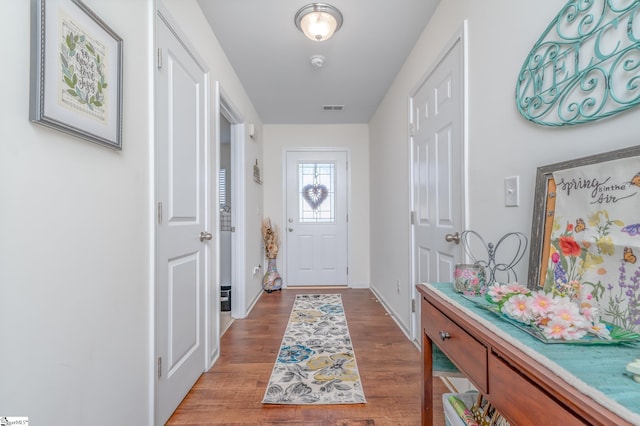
{"points": [[517, 398], [469, 355]]}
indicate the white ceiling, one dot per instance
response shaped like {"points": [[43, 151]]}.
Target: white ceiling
{"points": [[272, 57]]}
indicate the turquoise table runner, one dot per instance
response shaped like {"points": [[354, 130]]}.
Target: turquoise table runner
{"points": [[598, 371]]}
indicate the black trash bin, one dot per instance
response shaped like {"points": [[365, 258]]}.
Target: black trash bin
{"points": [[225, 298]]}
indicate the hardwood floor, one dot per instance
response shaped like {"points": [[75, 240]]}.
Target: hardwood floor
{"points": [[389, 364]]}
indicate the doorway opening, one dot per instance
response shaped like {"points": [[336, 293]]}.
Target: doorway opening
{"points": [[227, 224], [230, 186]]}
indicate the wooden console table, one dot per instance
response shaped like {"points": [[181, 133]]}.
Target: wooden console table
{"points": [[526, 380]]}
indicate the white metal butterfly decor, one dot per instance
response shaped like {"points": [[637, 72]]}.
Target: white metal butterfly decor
{"points": [[514, 247]]}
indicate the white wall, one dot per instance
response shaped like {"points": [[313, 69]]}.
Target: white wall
{"points": [[76, 231], [354, 138], [74, 245], [193, 24], [501, 142]]}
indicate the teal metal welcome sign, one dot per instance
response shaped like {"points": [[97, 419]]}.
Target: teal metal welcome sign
{"points": [[585, 66]]}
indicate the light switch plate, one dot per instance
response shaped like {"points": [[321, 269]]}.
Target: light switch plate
{"points": [[512, 191]]}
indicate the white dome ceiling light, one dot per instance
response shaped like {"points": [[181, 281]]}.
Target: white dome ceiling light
{"points": [[318, 21]]}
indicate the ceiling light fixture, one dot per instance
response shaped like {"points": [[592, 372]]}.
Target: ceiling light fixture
{"points": [[318, 21]]}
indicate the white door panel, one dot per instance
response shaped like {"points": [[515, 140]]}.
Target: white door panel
{"points": [[182, 259], [423, 271], [183, 300], [446, 263], [316, 235], [437, 170]]}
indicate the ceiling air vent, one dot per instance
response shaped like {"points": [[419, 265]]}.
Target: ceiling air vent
{"points": [[332, 107]]}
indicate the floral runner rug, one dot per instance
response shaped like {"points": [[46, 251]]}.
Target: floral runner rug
{"points": [[316, 363]]}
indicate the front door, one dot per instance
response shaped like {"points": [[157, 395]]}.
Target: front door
{"points": [[182, 224], [316, 223], [437, 155]]}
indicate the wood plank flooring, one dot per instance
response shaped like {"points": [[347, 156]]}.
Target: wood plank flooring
{"points": [[389, 364]]}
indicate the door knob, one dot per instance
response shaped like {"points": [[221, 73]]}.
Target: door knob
{"points": [[205, 236], [290, 229], [453, 238]]}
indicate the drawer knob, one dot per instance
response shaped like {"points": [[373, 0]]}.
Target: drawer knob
{"points": [[444, 335]]}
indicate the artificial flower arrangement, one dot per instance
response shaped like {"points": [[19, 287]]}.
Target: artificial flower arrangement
{"points": [[270, 238], [569, 314]]}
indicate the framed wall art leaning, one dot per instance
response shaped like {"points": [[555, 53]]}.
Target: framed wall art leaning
{"points": [[586, 231], [76, 72]]}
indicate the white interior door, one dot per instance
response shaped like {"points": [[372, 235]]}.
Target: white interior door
{"points": [[316, 227], [183, 258], [437, 155]]}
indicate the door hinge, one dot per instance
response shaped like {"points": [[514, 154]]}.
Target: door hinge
{"points": [[413, 306], [412, 132], [347, 270], [160, 213], [159, 367], [159, 57], [413, 217]]}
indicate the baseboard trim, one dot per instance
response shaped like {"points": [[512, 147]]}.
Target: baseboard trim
{"points": [[313, 287], [392, 314]]}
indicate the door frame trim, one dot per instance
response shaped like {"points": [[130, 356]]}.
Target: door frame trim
{"points": [[460, 36], [225, 106], [285, 151]]}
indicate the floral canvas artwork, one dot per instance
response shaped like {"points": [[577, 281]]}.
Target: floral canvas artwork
{"points": [[595, 238], [83, 71]]}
